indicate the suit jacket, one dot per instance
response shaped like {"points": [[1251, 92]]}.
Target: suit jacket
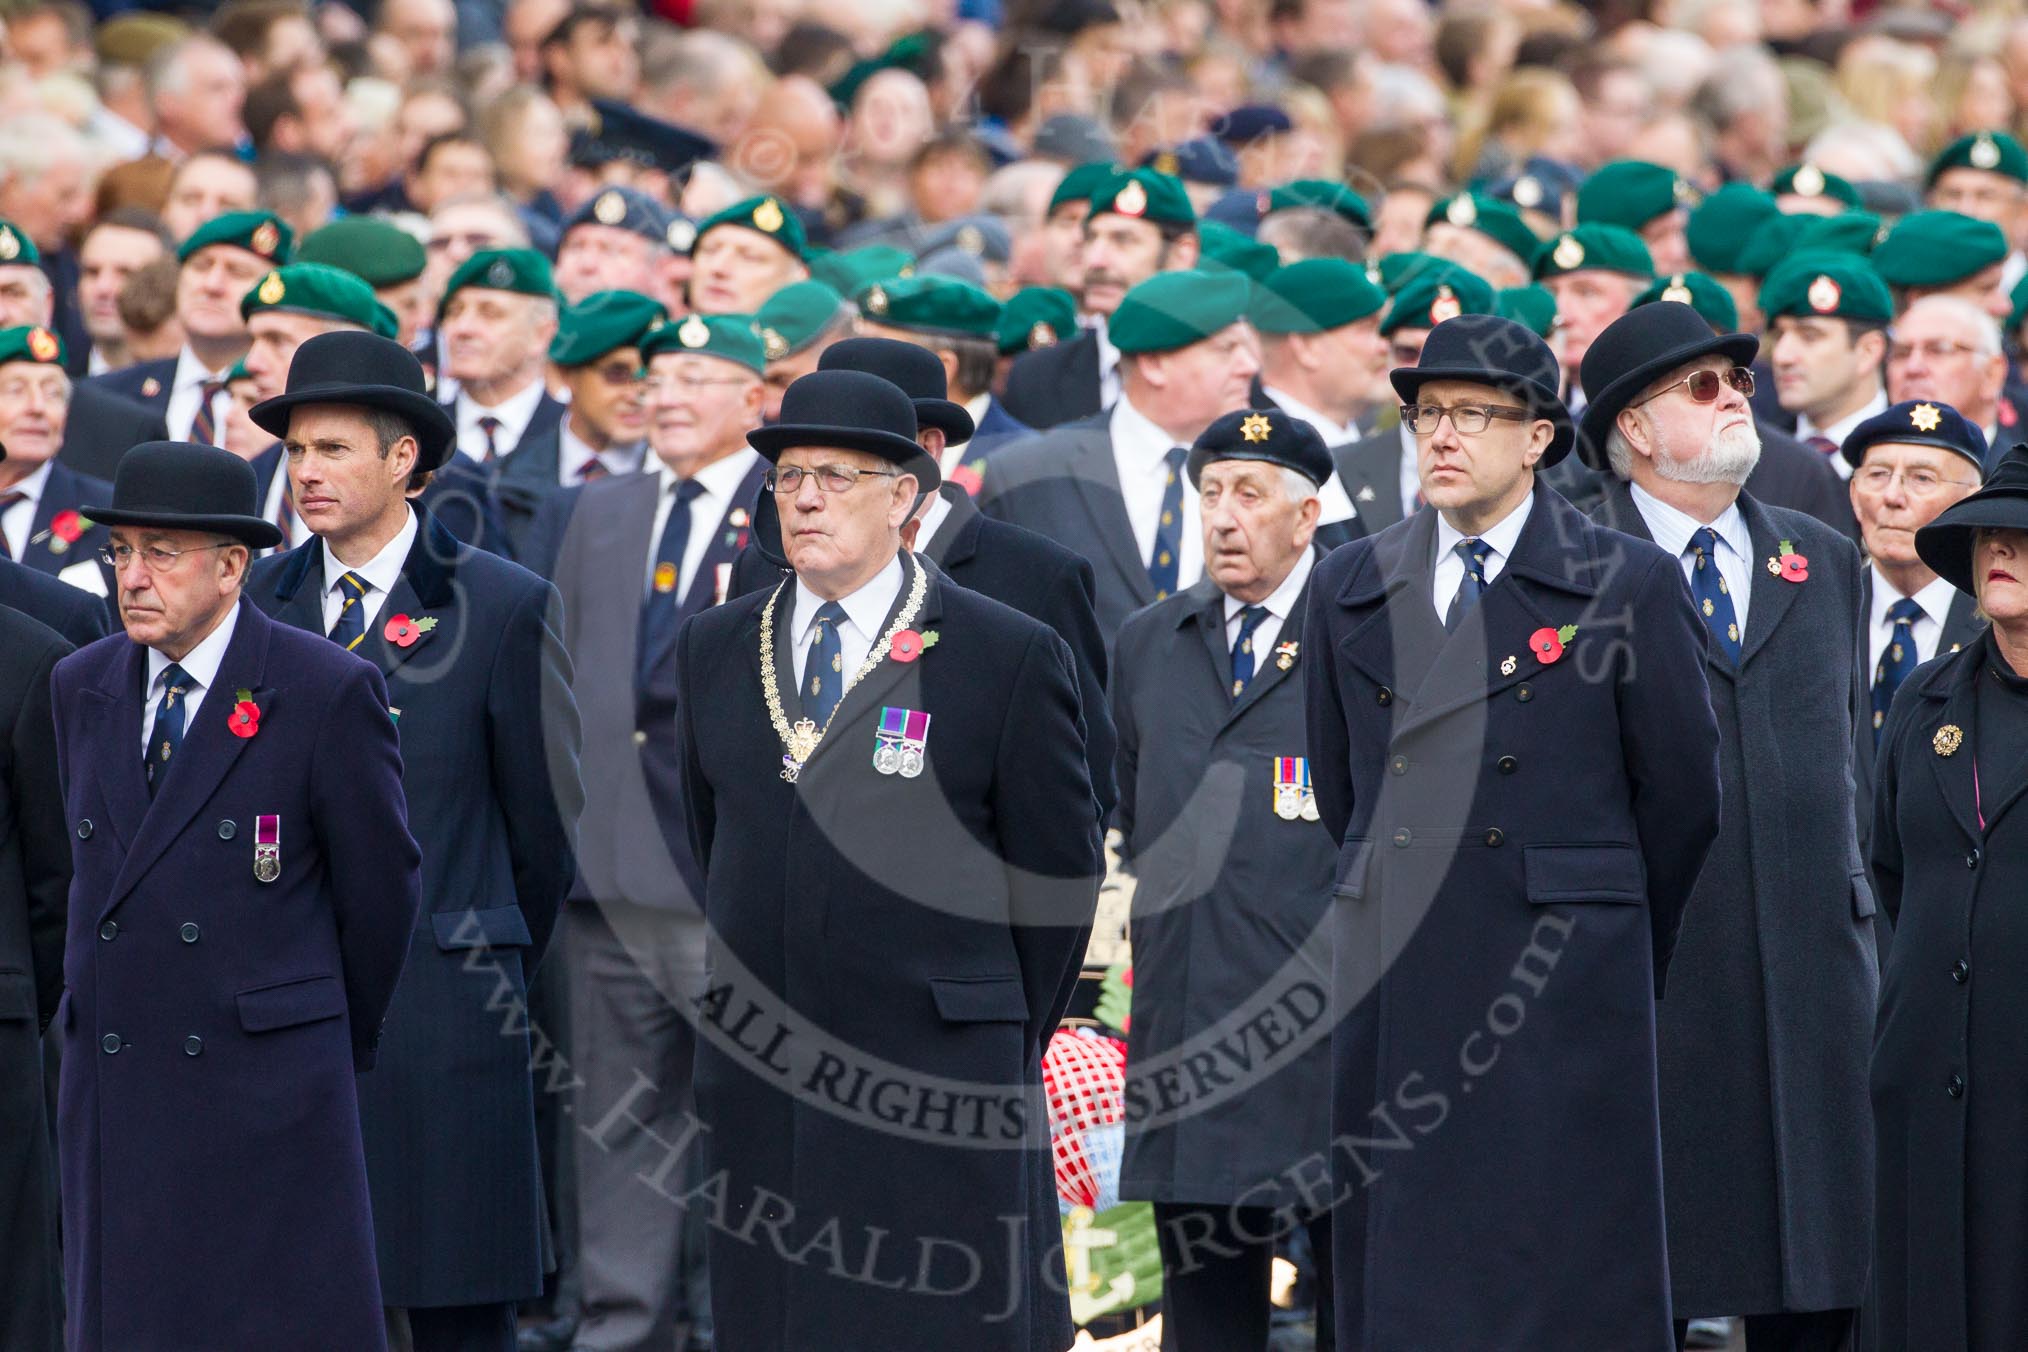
{"points": [[146, 383], [212, 1024], [76, 614], [489, 738], [1521, 817], [1055, 384], [64, 544], [103, 425], [460, 496], [1764, 1041], [941, 951], [527, 479], [1371, 471]]}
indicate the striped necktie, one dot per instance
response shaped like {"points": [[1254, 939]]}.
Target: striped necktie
{"points": [[350, 627], [203, 427]]}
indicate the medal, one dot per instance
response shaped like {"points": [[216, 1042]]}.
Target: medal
{"points": [[267, 848], [1292, 789], [901, 743], [800, 742]]}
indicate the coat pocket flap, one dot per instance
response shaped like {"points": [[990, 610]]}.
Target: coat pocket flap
{"points": [[1348, 883], [291, 1003], [17, 996], [494, 927], [1560, 873], [1863, 907], [980, 999]]}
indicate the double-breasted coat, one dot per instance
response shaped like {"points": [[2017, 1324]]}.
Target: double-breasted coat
{"points": [[1518, 839], [214, 1188], [918, 931], [489, 736], [1766, 1139], [1228, 1052]]}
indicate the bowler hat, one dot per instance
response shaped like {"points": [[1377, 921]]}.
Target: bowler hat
{"points": [[1489, 350], [1945, 544], [180, 485], [364, 369], [1635, 350], [853, 410], [918, 372]]}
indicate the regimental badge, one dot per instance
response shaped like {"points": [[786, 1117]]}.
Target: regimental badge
{"points": [[693, 332], [1527, 192], [1373, 272], [1677, 290], [1293, 798], [1167, 163], [150, 388], [1948, 739], [738, 516], [768, 215], [972, 240], [10, 244], [1925, 417], [901, 742], [1462, 211], [1808, 181], [1985, 153], [1255, 427], [1286, 654], [42, 344], [682, 234], [665, 578], [267, 848], [272, 289], [1041, 335], [610, 209], [1445, 306], [1507, 665], [501, 274], [1132, 199], [774, 344], [876, 300], [1686, 194], [1824, 295], [1569, 254]]}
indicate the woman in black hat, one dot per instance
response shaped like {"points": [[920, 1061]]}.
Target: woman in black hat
{"points": [[1950, 1052]]}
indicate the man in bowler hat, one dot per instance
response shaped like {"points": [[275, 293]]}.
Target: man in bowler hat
{"points": [[245, 888], [477, 678], [1511, 742], [886, 788]]}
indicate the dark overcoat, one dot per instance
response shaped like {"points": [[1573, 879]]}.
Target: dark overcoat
{"points": [[73, 612], [525, 481], [917, 929], [1766, 1141], [65, 490], [1055, 384], [1518, 840], [214, 1189], [1228, 1052], [101, 426], [489, 764], [147, 383]]}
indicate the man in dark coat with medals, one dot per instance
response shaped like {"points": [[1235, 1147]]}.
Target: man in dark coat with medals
{"points": [[1233, 895], [1511, 741], [245, 888], [1762, 1043], [480, 688], [886, 785]]}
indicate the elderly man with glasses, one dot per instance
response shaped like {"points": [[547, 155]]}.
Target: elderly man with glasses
{"points": [[1946, 350]]}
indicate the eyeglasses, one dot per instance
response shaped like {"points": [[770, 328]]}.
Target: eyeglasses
{"points": [[1468, 419], [1934, 349], [1704, 385], [621, 374], [659, 385], [158, 559], [788, 479], [1919, 483]]}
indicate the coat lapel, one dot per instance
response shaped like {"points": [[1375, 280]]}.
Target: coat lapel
{"points": [[1207, 617], [887, 673], [1097, 478], [957, 537], [1399, 637], [113, 713], [1951, 704], [1772, 596]]}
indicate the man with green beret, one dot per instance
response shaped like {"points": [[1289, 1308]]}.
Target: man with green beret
{"points": [[1701, 293], [39, 522], [1594, 271], [1063, 222], [744, 254], [1720, 228], [1804, 189], [1985, 175], [1111, 487], [1141, 223], [1827, 331], [619, 240], [1321, 194], [959, 323], [496, 322], [1222, 247], [1932, 253], [384, 256], [1650, 200], [795, 326], [1484, 236], [1530, 306], [848, 270]]}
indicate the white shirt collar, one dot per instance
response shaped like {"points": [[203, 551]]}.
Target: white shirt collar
{"points": [[1839, 430], [866, 608], [190, 373], [1673, 528], [1501, 536], [201, 663], [621, 459], [977, 408], [720, 479], [1137, 441], [1332, 431], [515, 412], [1109, 356], [1935, 598], [381, 571], [31, 487], [1281, 602]]}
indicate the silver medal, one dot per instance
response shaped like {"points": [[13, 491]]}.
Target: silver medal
{"points": [[886, 758], [911, 762]]}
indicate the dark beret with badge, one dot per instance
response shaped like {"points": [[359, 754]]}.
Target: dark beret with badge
{"points": [[1144, 195], [1175, 309], [1994, 152], [1080, 182], [1490, 217], [1706, 295], [1722, 225], [1945, 544], [1434, 297], [377, 252], [764, 215], [16, 248], [33, 343], [627, 209], [1594, 247], [1827, 286], [935, 305], [1531, 306], [1264, 434], [728, 337], [603, 322], [1938, 248], [1542, 185], [1202, 160], [1807, 180], [1630, 193], [981, 236], [1917, 422], [1315, 295], [322, 292], [847, 271], [616, 132], [796, 316], [1324, 195], [1222, 247], [1035, 316], [258, 232], [522, 271]]}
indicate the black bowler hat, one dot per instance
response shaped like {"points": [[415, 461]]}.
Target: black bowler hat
{"points": [[919, 372], [1265, 434], [180, 485], [1635, 350], [852, 410], [369, 371], [1489, 350], [1945, 544]]}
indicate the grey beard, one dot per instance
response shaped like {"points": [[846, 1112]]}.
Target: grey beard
{"points": [[1727, 459]]}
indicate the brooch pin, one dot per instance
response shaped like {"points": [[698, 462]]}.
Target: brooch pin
{"points": [[1507, 665], [1948, 739], [901, 742], [1285, 654]]}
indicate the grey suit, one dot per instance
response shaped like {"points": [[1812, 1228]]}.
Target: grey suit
{"points": [[1371, 471]]}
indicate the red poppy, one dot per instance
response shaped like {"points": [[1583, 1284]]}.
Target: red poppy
{"points": [[967, 478], [907, 646], [66, 526], [1546, 645], [1795, 568], [245, 719], [402, 632]]}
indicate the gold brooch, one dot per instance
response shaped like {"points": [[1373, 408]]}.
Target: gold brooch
{"points": [[1948, 739]]}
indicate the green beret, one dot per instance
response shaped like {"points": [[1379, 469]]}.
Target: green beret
{"points": [[1036, 316], [15, 245], [2019, 295], [521, 270], [1993, 151], [31, 342], [1530, 306], [764, 214], [933, 304], [1938, 248], [794, 317], [322, 292], [1144, 195], [1852, 232], [603, 322], [1175, 309], [1604, 248], [1773, 240], [1706, 295], [1221, 246], [1431, 298], [1080, 183], [1807, 180], [1397, 270], [1827, 284], [1723, 223], [1325, 195], [378, 252], [260, 232], [1630, 193], [846, 272], [1490, 217], [728, 336], [1315, 295], [238, 373]]}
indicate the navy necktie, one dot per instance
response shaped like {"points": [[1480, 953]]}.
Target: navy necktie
{"points": [[662, 610], [1712, 595], [1474, 552], [1897, 661], [350, 626], [1243, 662], [1162, 567], [166, 737], [824, 671], [490, 425]]}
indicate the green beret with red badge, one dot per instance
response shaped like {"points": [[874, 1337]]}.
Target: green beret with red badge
{"points": [[1827, 286], [259, 232], [31, 342], [1144, 195], [1434, 297]]}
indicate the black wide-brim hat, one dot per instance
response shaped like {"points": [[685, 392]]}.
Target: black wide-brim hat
{"points": [[1489, 350], [366, 370], [1637, 349], [854, 411], [181, 485], [1945, 544], [919, 372]]}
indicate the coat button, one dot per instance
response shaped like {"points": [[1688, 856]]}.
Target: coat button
{"points": [[1403, 837], [1399, 765], [84, 829], [227, 830], [192, 1045], [1495, 837], [1524, 694], [1507, 765], [1383, 696], [640, 738], [111, 1043], [1972, 858], [189, 932], [109, 930], [1961, 971], [1955, 1086]]}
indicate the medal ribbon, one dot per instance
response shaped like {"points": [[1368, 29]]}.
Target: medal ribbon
{"points": [[267, 831], [917, 730]]}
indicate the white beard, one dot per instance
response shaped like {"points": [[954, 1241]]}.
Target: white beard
{"points": [[1728, 459]]}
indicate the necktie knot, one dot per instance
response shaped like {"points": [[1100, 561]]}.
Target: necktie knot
{"points": [[1474, 552], [687, 492], [354, 585], [175, 680], [1905, 611], [831, 613], [1250, 618], [1174, 458]]}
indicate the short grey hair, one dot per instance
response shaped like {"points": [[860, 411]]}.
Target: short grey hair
{"points": [[32, 144], [1296, 486], [1619, 452], [1980, 328]]}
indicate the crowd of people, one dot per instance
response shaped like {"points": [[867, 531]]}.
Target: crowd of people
{"points": [[1427, 608]]}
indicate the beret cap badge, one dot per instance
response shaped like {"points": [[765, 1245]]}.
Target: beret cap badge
{"points": [[1808, 181], [1569, 253], [1824, 295], [1132, 200], [1255, 427], [1925, 418], [272, 289], [876, 301], [768, 215], [1527, 191], [264, 238], [610, 209], [1445, 306], [42, 344], [501, 274], [1985, 153], [1041, 335], [1678, 290], [693, 332], [775, 345], [10, 247], [1462, 211]]}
